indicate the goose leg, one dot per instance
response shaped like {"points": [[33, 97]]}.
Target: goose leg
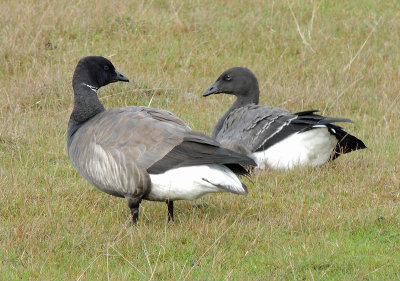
{"points": [[170, 210], [135, 214], [133, 204]]}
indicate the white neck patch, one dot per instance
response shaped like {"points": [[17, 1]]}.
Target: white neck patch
{"points": [[93, 88]]}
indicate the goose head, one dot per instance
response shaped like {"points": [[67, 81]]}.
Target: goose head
{"points": [[238, 81], [96, 72]]}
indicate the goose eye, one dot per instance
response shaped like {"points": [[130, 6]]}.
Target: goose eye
{"points": [[227, 77], [106, 67]]}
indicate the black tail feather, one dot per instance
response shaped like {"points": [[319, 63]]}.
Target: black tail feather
{"points": [[346, 142], [309, 117], [307, 112]]}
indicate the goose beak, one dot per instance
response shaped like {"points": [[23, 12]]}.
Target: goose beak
{"points": [[212, 90], [120, 77]]}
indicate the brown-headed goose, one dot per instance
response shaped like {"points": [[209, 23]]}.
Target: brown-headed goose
{"points": [[139, 152], [273, 136]]}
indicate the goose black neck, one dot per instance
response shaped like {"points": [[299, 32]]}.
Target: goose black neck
{"points": [[86, 106], [251, 97]]}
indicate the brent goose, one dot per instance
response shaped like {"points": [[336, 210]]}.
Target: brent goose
{"points": [[139, 152], [273, 136]]}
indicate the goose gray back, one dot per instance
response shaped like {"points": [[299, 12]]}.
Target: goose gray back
{"points": [[273, 136], [139, 152]]}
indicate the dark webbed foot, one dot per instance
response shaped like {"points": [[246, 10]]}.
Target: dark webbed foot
{"points": [[170, 210]]}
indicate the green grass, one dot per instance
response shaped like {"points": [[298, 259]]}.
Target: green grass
{"points": [[337, 222]]}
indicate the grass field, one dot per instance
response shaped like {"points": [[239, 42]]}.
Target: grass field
{"points": [[337, 222]]}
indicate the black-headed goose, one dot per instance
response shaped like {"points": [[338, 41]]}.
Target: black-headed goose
{"points": [[273, 136], [139, 152]]}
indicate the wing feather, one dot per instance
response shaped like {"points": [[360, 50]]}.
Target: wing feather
{"points": [[255, 128]]}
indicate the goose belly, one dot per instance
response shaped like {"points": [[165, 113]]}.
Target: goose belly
{"points": [[189, 183], [109, 172], [311, 148]]}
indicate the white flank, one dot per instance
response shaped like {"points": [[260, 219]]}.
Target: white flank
{"points": [[311, 148], [189, 183]]}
